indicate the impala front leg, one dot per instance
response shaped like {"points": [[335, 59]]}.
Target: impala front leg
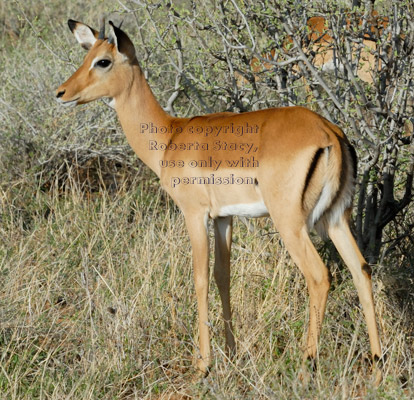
{"points": [[222, 233], [198, 232]]}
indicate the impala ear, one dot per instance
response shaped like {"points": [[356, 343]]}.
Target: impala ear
{"points": [[121, 41], [84, 34]]}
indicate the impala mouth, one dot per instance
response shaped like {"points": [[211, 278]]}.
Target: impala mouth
{"points": [[69, 103]]}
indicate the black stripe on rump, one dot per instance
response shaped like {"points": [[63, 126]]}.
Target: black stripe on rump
{"points": [[354, 159], [311, 170]]}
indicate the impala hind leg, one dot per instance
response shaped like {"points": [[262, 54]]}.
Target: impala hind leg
{"points": [[361, 273], [198, 232], [223, 231], [317, 277]]}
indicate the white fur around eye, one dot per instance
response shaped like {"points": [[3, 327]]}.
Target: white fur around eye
{"points": [[95, 60]]}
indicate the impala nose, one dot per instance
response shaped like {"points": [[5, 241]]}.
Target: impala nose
{"points": [[60, 94]]}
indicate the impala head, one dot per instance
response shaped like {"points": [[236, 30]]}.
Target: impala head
{"points": [[107, 68]]}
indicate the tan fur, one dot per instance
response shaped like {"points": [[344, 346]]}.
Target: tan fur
{"points": [[285, 139]]}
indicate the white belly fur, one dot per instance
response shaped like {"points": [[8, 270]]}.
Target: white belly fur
{"points": [[252, 210]]}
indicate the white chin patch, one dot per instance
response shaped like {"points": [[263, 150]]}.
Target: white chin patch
{"points": [[68, 103]]}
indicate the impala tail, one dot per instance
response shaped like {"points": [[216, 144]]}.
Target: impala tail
{"points": [[330, 185]]}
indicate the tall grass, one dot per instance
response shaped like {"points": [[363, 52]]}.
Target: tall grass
{"points": [[97, 301], [96, 292]]}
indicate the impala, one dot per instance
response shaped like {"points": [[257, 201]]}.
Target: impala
{"points": [[320, 42], [323, 45], [289, 163]]}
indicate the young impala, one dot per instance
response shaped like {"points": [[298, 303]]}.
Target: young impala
{"points": [[289, 163]]}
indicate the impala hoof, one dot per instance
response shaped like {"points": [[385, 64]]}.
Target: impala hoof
{"points": [[203, 367]]}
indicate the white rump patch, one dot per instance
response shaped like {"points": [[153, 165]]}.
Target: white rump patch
{"points": [[252, 210], [337, 210], [328, 209], [323, 203]]}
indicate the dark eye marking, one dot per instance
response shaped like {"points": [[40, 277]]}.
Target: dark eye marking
{"points": [[103, 63]]}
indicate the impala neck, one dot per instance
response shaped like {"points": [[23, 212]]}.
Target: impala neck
{"points": [[135, 106]]}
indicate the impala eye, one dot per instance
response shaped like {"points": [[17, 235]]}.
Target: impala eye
{"points": [[103, 63]]}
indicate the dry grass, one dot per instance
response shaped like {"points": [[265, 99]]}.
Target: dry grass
{"points": [[96, 294], [97, 301]]}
